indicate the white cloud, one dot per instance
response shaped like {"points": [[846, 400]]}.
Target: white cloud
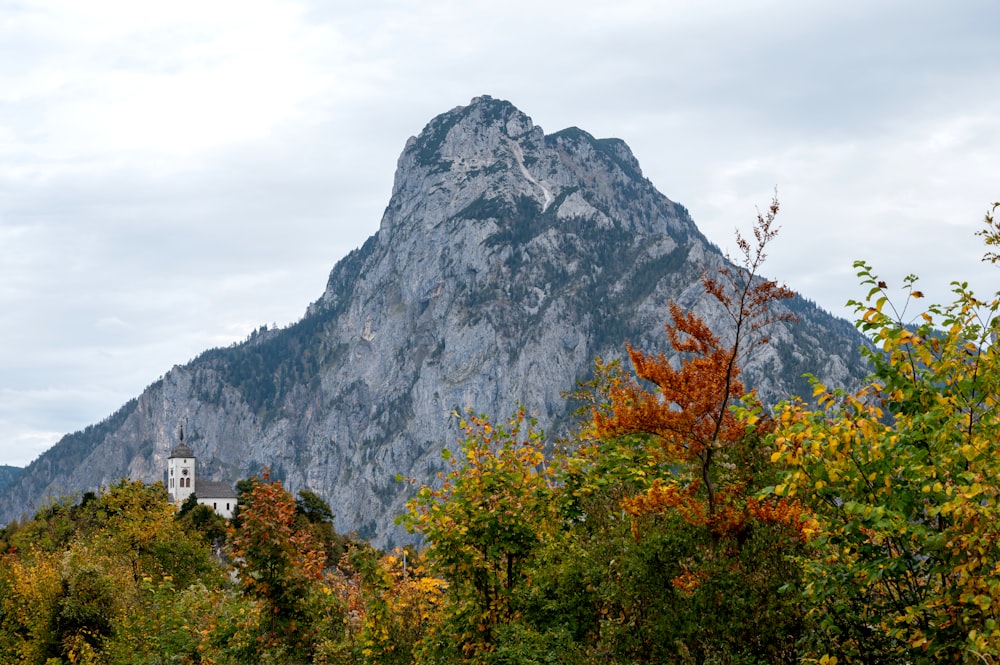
{"points": [[120, 82]]}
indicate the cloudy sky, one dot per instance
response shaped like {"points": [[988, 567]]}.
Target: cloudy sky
{"points": [[175, 174]]}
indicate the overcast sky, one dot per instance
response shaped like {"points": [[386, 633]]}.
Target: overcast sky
{"points": [[175, 174]]}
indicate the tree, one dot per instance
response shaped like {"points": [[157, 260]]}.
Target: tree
{"points": [[702, 576], [278, 560], [202, 520], [905, 481], [89, 606], [78, 586], [316, 512], [135, 524], [30, 585], [689, 410], [991, 234], [399, 604], [482, 526], [313, 507]]}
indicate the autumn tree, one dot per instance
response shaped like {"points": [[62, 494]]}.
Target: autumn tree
{"points": [[686, 470], [483, 525], [80, 581], [278, 561], [688, 411], [30, 586], [904, 477], [398, 604]]}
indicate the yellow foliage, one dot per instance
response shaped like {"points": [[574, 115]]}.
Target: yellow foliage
{"points": [[903, 476], [33, 585]]}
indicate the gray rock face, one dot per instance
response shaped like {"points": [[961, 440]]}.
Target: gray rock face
{"points": [[506, 261]]}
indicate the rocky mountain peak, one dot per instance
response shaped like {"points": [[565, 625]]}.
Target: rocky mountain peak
{"points": [[507, 260], [462, 155], [491, 155]]}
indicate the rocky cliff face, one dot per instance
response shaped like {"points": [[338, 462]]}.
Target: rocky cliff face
{"points": [[506, 261]]}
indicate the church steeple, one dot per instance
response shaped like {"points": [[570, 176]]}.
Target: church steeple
{"points": [[181, 471]]}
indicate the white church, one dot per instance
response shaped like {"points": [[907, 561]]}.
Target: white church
{"points": [[183, 481]]}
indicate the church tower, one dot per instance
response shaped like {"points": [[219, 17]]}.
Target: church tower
{"points": [[180, 476]]}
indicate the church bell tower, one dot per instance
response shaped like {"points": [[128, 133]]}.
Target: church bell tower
{"points": [[180, 476]]}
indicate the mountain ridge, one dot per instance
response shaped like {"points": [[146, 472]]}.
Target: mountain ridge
{"points": [[505, 262]]}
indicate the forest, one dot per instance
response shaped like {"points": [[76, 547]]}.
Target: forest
{"points": [[683, 522]]}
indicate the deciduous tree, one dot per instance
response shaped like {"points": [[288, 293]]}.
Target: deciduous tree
{"points": [[483, 525], [688, 470], [277, 559], [688, 412], [905, 479]]}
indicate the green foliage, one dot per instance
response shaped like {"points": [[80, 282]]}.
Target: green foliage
{"points": [[318, 517], [483, 526], [88, 604], [902, 476], [313, 507], [202, 520], [77, 584], [52, 528], [188, 505], [655, 587], [122, 578]]}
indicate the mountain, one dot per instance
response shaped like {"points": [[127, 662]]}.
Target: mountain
{"points": [[9, 474], [506, 261]]}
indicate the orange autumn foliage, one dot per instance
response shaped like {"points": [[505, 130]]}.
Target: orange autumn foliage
{"points": [[789, 512], [688, 581], [661, 496], [688, 411]]}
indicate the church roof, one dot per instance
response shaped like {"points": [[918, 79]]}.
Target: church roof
{"points": [[213, 489], [181, 450]]}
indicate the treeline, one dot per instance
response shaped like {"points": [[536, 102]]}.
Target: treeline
{"points": [[124, 577], [683, 523]]}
